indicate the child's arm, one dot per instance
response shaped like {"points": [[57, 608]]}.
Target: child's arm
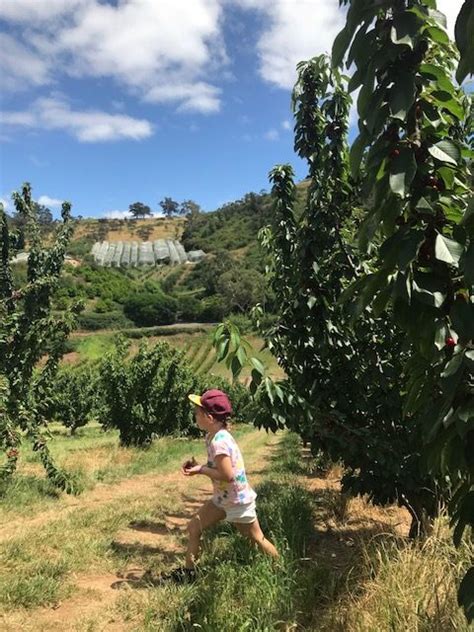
{"points": [[222, 472]]}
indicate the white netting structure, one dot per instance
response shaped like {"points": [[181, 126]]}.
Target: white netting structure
{"points": [[145, 253]]}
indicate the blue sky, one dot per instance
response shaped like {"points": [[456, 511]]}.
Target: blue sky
{"points": [[105, 103]]}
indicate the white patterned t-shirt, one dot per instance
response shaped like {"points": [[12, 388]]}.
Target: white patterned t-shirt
{"points": [[238, 490]]}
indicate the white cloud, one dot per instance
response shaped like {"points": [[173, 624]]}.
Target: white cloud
{"points": [[286, 125], [6, 204], [166, 51], [117, 214], [200, 97], [87, 126], [292, 34], [20, 66], [271, 134], [50, 202], [30, 11], [125, 215]]}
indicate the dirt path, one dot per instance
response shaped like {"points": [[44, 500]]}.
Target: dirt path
{"points": [[140, 485], [94, 596]]}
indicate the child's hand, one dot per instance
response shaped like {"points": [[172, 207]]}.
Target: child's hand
{"points": [[192, 471], [188, 465]]}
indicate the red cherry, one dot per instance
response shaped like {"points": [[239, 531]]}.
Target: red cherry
{"points": [[450, 342], [394, 153], [418, 111]]}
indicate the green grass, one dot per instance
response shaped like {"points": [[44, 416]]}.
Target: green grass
{"points": [[93, 347], [383, 583], [36, 566], [93, 456], [239, 588]]}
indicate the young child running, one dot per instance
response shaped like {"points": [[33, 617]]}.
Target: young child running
{"points": [[233, 498]]}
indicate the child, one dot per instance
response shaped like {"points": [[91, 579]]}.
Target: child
{"points": [[233, 498]]}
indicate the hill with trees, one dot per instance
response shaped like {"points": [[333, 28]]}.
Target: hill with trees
{"points": [[230, 280]]}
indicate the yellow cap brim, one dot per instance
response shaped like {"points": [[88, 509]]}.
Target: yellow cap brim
{"points": [[196, 399]]}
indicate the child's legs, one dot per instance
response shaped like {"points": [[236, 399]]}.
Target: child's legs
{"points": [[206, 517], [253, 531]]}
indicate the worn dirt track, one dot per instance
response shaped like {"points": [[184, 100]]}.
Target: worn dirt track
{"points": [[94, 594]]}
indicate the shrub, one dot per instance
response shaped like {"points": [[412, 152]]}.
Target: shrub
{"points": [[146, 396], [151, 308], [110, 320], [76, 396]]}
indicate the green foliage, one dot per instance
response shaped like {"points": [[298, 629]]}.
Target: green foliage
{"points": [[146, 396], [92, 321], [150, 308], [169, 207], [413, 143], [76, 398], [138, 209], [233, 226], [341, 389], [28, 331]]}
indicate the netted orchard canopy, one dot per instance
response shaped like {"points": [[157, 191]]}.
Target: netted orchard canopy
{"points": [[144, 253]]}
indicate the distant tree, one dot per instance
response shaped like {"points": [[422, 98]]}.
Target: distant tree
{"points": [[45, 216], [189, 208], [170, 207], [137, 209], [150, 308], [241, 289]]}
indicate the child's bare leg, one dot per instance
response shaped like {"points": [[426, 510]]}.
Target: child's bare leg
{"points": [[206, 517], [253, 531]]}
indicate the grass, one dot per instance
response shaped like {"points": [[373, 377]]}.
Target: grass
{"points": [[239, 588], [382, 583], [36, 567], [198, 347], [94, 456]]}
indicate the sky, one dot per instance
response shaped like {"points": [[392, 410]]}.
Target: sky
{"points": [[109, 102]]}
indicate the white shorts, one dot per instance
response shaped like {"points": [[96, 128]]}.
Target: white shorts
{"points": [[244, 514]]}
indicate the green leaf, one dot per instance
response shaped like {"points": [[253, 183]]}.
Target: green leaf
{"points": [[462, 318], [258, 366], [401, 248], [469, 265], [428, 289], [357, 151], [453, 366], [339, 47], [235, 337], [437, 34], [430, 70], [236, 367], [402, 172], [402, 95], [405, 28], [222, 349], [445, 100], [438, 17], [464, 33], [242, 356], [366, 93], [466, 594], [446, 151], [448, 250], [440, 335]]}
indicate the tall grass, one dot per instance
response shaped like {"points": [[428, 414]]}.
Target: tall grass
{"points": [[238, 587], [93, 456], [408, 586]]}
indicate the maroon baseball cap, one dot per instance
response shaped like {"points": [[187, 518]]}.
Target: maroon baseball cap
{"points": [[214, 402]]}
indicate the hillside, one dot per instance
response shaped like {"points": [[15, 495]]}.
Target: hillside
{"points": [[89, 231], [230, 280], [232, 227]]}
